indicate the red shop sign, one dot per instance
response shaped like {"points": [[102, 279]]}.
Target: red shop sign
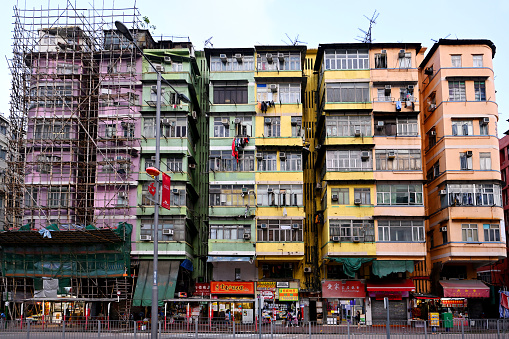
{"points": [[343, 289], [202, 289]]}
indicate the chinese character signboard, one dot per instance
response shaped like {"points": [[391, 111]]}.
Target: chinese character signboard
{"points": [[288, 294], [232, 287], [343, 289], [202, 289], [266, 286], [165, 201]]}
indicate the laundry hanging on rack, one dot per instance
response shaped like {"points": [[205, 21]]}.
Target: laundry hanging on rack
{"points": [[235, 152]]}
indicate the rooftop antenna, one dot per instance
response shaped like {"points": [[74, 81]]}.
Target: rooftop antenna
{"points": [[293, 42], [367, 35], [435, 41], [208, 42]]}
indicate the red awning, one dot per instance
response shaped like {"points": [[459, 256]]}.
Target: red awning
{"points": [[465, 289], [405, 285]]}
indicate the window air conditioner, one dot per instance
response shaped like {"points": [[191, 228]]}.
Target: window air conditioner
{"points": [[145, 237], [428, 70], [270, 190], [175, 191], [443, 192], [334, 197], [269, 57], [357, 201], [356, 239], [391, 154], [153, 89], [432, 107], [357, 132], [295, 226], [401, 53], [433, 133], [238, 56], [294, 121], [268, 121], [223, 58], [443, 229], [384, 51], [192, 166], [194, 115], [281, 57], [318, 185], [273, 88], [469, 153], [259, 155], [262, 225], [226, 121], [167, 59], [307, 270], [159, 68], [410, 87], [282, 155], [265, 267], [165, 121], [380, 124], [388, 87], [335, 238], [247, 236], [122, 194], [168, 232], [365, 155], [237, 121], [485, 121]]}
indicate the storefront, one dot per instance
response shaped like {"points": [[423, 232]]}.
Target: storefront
{"points": [[238, 311], [398, 294], [463, 298], [343, 299], [279, 299]]}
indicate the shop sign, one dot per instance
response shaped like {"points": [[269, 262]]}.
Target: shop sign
{"points": [[232, 287], [380, 295], [267, 295], [434, 319], [288, 294], [283, 284], [266, 286], [346, 289], [202, 289], [466, 293]]}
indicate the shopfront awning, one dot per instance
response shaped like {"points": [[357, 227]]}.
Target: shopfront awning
{"points": [[405, 285], [465, 289], [166, 281], [227, 259]]}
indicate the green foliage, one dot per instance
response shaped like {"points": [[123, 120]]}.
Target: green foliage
{"points": [[146, 24]]}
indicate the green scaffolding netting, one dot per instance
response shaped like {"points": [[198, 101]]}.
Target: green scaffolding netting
{"points": [[351, 265], [383, 268]]}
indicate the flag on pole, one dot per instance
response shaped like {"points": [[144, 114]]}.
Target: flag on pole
{"points": [[166, 191]]}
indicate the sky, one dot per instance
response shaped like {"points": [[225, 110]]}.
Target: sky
{"points": [[241, 23]]}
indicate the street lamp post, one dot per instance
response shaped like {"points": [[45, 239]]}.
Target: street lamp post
{"points": [[154, 172]]}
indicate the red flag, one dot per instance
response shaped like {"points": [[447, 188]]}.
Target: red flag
{"points": [[166, 191]]}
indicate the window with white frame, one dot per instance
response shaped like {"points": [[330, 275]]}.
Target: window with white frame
{"points": [[174, 164], [284, 230], [177, 196], [456, 60], [457, 91], [346, 59], [289, 94], [267, 162], [398, 160], [352, 230], [292, 162], [480, 91], [58, 197], [224, 161], [229, 232], [176, 67], [485, 160], [50, 95], [296, 123], [405, 61], [243, 126], [231, 195], [170, 127], [221, 130], [383, 95], [180, 231], [282, 61], [483, 127], [349, 160], [45, 163], [469, 232], [363, 195], [462, 127], [399, 194], [348, 125], [466, 160], [272, 127], [232, 64], [407, 126], [122, 199], [340, 196], [65, 68], [401, 230], [347, 92], [491, 232], [279, 195], [477, 60], [473, 195], [108, 165]]}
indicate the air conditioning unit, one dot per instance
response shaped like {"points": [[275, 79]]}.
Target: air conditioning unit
{"points": [[225, 121], [238, 56], [295, 226], [270, 190], [380, 124], [357, 132], [269, 57], [485, 121], [307, 270], [273, 88], [428, 70], [388, 87], [432, 107], [282, 155], [357, 201], [410, 87], [365, 155], [391, 154], [281, 57], [153, 89], [294, 121], [167, 59], [106, 91], [433, 133], [443, 229], [268, 121], [168, 232], [443, 192], [259, 155], [334, 197], [192, 166], [265, 267], [159, 68], [356, 239], [194, 115], [469, 154], [122, 194], [288, 265], [401, 53], [223, 58], [145, 237], [384, 51], [236, 121], [335, 238], [247, 236], [175, 191], [262, 226], [318, 185]]}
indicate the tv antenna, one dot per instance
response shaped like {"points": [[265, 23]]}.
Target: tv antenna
{"points": [[293, 42], [208, 42], [435, 41], [367, 35]]}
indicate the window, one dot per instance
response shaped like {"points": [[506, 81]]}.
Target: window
{"points": [[221, 130], [108, 165], [469, 232], [346, 59], [246, 63], [477, 60], [347, 92], [3, 153], [405, 61], [180, 231], [230, 92], [267, 162], [349, 160], [177, 196], [483, 128], [176, 67], [296, 123], [348, 125], [455, 60], [285, 230], [285, 93], [58, 197], [473, 195], [110, 130], [383, 95], [129, 129], [462, 127], [52, 131], [401, 194], [45, 163], [229, 232], [406, 95], [167, 98], [277, 271], [31, 195], [50, 95], [279, 195], [352, 230], [381, 60], [174, 164], [292, 162], [457, 91], [288, 62], [407, 126], [243, 126], [485, 160], [342, 194], [491, 232], [272, 127], [231, 195], [122, 199], [170, 127], [401, 230], [3, 129], [362, 194], [63, 68], [398, 160], [466, 161], [223, 161], [480, 91]]}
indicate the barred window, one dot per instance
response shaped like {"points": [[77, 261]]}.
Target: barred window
{"points": [[401, 230], [231, 195], [457, 91], [346, 59], [292, 162], [352, 230], [398, 160], [402, 194], [232, 64], [349, 160], [279, 61], [348, 125], [285, 230], [224, 161], [347, 92], [229, 232], [279, 195], [472, 195]]}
